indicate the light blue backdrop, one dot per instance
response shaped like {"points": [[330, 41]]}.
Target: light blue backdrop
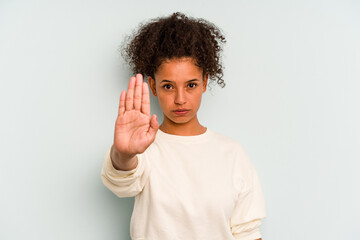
{"points": [[292, 74]]}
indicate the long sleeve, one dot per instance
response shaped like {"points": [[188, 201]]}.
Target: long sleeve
{"points": [[250, 205], [125, 183]]}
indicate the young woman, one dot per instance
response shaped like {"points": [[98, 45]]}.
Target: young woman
{"points": [[189, 182]]}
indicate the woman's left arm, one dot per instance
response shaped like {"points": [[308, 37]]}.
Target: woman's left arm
{"points": [[249, 208]]}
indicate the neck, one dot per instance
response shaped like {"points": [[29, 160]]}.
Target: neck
{"points": [[190, 128]]}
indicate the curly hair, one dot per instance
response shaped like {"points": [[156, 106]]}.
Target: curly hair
{"points": [[175, 36]]}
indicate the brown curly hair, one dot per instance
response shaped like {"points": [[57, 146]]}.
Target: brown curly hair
{"points": [[175, 36]]}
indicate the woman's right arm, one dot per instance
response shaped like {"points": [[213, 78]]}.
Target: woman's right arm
{"points": [[134, 132]]}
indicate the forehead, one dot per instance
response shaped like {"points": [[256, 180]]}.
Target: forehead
{"points": [[178, 69]]}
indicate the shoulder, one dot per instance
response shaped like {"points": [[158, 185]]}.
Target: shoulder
{"points": [[242, 166], [226, 141], [237, 149]]}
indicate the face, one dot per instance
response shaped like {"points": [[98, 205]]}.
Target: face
{"points": [[179, 85]]}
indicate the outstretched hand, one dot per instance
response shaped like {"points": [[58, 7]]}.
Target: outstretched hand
{"points": [[135, 129]]}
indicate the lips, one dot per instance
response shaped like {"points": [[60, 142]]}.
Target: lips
{"points": [[181, 112]]}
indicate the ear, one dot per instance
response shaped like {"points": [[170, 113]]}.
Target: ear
{"points": [[205, 81], [152, 85]]}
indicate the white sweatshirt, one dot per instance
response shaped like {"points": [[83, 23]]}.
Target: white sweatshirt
{"points": [[201, 187]]}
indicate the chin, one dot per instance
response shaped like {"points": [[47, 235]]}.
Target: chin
{"points": [[180, 120]]}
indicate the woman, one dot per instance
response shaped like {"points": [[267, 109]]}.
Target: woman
{"points": [[189, 182]]}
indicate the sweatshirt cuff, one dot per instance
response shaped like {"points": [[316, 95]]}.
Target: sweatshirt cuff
{"points": [[248, 235]]}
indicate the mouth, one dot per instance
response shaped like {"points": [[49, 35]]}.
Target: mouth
{"points": [[181, 112]]}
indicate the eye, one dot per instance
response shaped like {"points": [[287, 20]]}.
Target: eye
{"points": [[192, 85], [167, 86]]}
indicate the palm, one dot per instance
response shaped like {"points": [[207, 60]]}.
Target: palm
{"points": [[131, 132], [134, 129]]}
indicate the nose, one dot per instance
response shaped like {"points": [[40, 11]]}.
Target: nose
{"points": [[180, 97]]}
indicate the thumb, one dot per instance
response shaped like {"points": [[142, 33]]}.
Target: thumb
{"points": [[154, 126]]}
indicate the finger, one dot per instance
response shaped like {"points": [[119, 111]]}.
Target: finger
{"points": [[122, 103], [138, 91], [145, 102], [154, 126], [129, 101]]}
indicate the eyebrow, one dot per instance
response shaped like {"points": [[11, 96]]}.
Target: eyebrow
{"points": [[192, 80]]}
